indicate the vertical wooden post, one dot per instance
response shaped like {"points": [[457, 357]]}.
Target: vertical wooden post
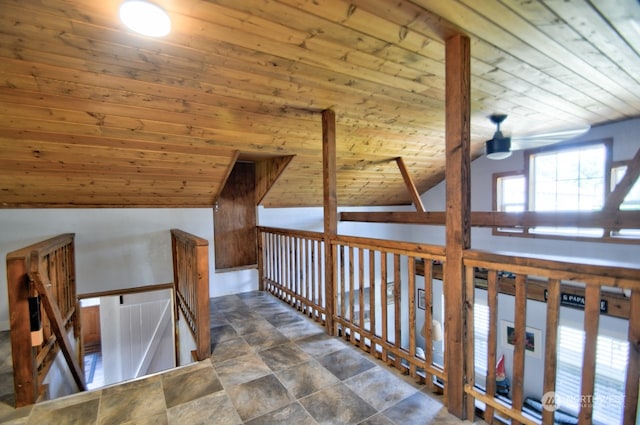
{"points": [[24, 373], [492, 341], [201, 252], [458, 213], [551, 345], [261, 263], [330, 203], [591, 322], [176, 312]]}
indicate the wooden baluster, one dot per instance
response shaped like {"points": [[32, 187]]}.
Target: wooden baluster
{"points": [[307, 277], [280, 263], [285, 269], [384, 303], [397, 308], [551, 348], [361, 295], [352, 289], [261, 263], [492, 303], [342, 283], [411, 267], [317, 283], [372, 299], [469, 305], [290, 271], [520, 308], [591, 320], [313, 260], [428, 320], [297, 268], [275, 259], [332, 298]]}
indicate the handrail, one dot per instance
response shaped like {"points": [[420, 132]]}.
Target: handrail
{"points": [[45, 269], [126, 291], [191, 281]]}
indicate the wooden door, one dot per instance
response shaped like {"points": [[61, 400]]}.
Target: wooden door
{"points": [[235, 220], [90, 317]]}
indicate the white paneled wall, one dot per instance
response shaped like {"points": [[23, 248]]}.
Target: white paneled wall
{"points": [[137, 335]]}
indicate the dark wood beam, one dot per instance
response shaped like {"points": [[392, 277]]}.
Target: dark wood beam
{"points": [[615, 219], [408, 181], [458, 211], [330, 203], [623, 187]]}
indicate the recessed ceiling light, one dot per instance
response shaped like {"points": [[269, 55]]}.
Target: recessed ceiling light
{"points": [[145, 18]]}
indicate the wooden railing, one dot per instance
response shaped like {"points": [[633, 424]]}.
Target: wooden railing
{"points": [[45, 273], [590, 284], [191, 281], [378, 273], [291, 267], [369, 274]]}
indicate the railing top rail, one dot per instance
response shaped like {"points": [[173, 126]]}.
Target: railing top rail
{"points": [[625, 273], [43, 247], [409, 248], [188, 237], [127, 291], [291, 232]]}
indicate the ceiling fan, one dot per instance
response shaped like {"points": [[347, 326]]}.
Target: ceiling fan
{"points": [[501, 146]]}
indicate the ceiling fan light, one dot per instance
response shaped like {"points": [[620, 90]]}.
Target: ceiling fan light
{"points": [[498, 148], [145, 18]]}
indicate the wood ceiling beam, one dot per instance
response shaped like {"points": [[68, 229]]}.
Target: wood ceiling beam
{"points": [[615, 198], [411, 187], [619, 219]]}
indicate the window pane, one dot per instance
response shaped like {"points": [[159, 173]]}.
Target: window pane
{"points": [[569, 166], [611, 366], [511, 193], [569, 180]]}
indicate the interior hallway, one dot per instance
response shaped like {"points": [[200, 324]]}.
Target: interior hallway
{"points": [[270, 365]]}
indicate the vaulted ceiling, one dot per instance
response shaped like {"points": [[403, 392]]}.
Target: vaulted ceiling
{"points": [[93, 115]]}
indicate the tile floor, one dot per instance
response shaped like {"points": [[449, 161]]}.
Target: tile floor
{"points": [[270, 365]]}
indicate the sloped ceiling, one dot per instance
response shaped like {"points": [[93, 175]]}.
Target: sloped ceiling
{"points": [[94, 115]]}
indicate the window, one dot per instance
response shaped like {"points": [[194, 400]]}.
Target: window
{"points": [[611, 366], [511, 193], [566, 179], [481, 336]]}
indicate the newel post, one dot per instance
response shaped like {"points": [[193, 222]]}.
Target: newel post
{"points": [[330, 209], [458, 214]]}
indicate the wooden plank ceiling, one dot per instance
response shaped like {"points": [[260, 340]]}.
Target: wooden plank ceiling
{"points": [[94, 115]]}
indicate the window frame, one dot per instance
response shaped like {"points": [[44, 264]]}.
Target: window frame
{"points": [[608, 235]]}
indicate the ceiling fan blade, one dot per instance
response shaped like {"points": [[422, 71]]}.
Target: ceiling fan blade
{"points": [[532, 141]]}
